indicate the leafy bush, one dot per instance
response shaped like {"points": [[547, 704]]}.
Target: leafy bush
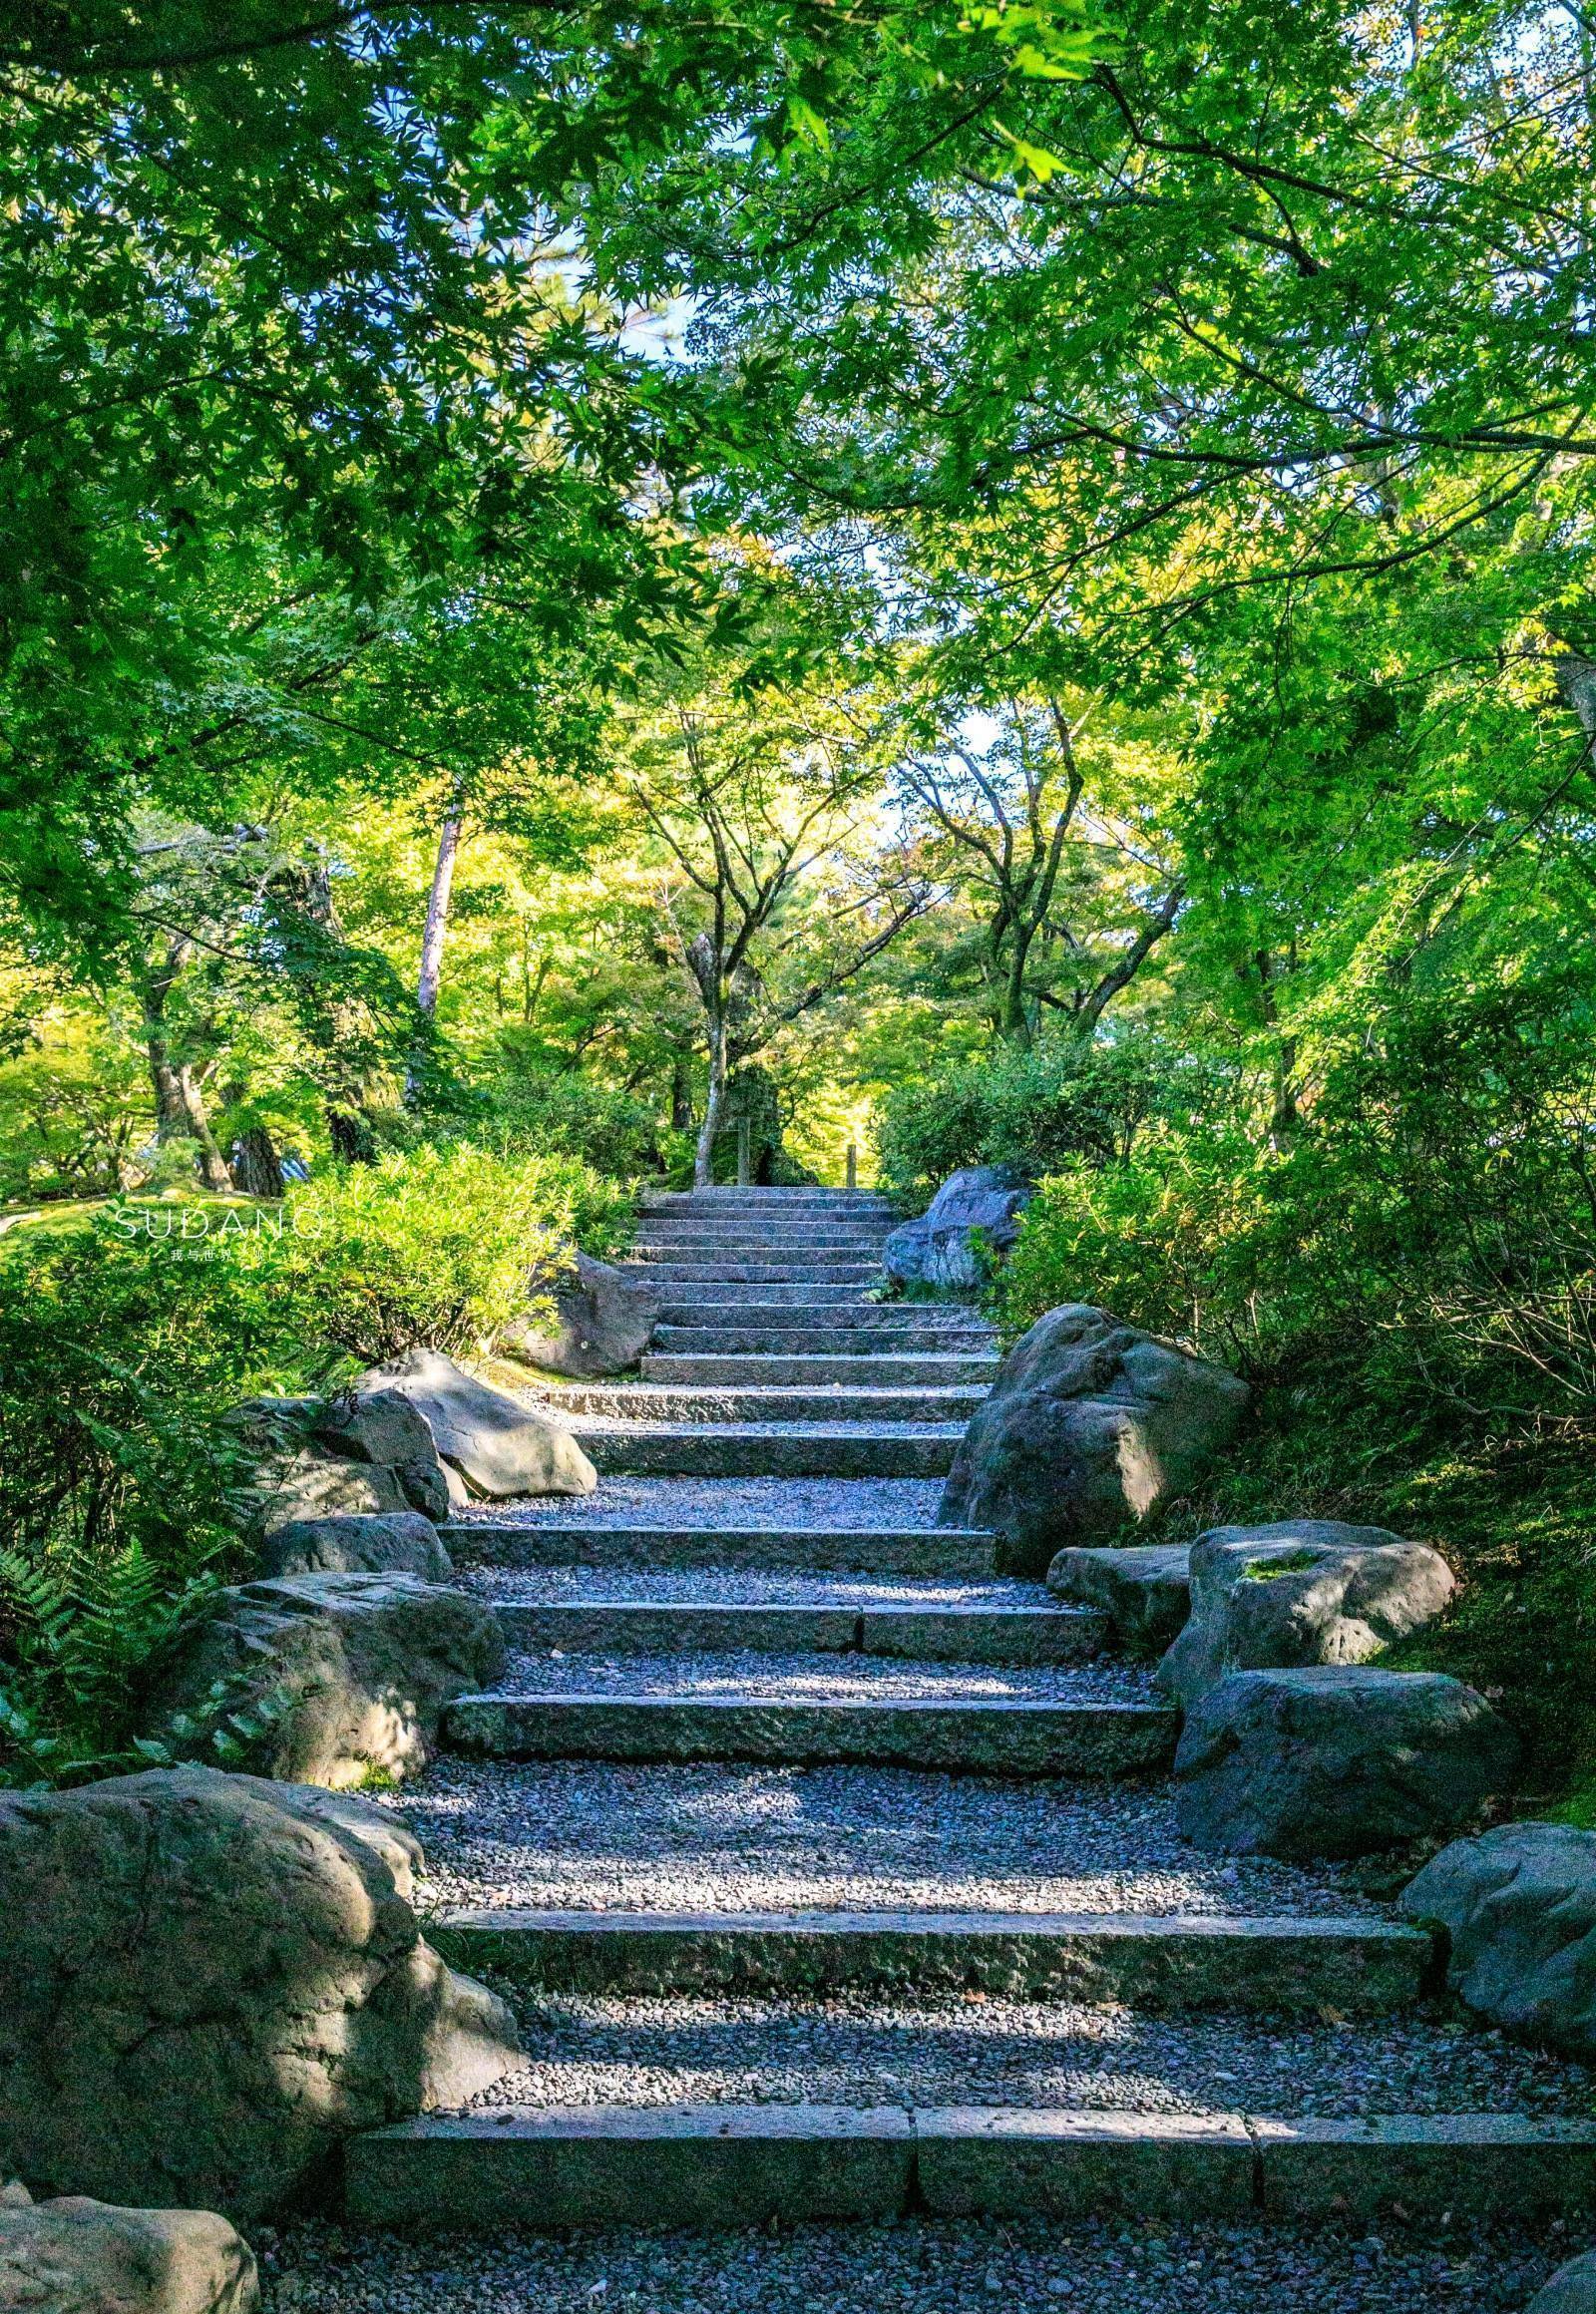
{"points": [[117, 1356], [1435, 1217], [547, 1113], [1036, 1110], [436, 1244]]}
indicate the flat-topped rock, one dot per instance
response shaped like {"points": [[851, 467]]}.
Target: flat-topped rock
{"points": [[1144, 1590]]}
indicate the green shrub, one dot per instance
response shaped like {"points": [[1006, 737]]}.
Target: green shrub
{"points": [[1036, 1110], [1435, 1218], [1411, 1287], [543, 1112], [435, 1244]]}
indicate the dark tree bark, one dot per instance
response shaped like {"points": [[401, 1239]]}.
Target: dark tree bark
{"points": [[256, 1168]]}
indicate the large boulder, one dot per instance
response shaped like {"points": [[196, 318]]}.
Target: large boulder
{"points": [[398, 1542], [1300, 1592], [937, 1248], [382, 1427], [325, 1679], [1571, 2290], [360, 1454], [78, 2257], [499, 1446], [1520, 1909], [208, 1983], [600, 1321], [1338, 1760], [290, 1474], [1143, 1590], [1091, 1426]]}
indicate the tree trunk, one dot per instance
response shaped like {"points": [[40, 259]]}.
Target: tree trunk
{"points": [[180, 1103], [714, 1101], [1014, 1025], [436, 929], [1282, 1118], [347, 1097], [352, 1135], [212, 1165], [257, 1170]]}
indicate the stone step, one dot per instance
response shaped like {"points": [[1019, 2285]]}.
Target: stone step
{"points": [[926, 1633], [927, 1371], [721, 2165], [972, 1738], [835, 1335], [1143, 1960], [722, 1293], [954, 1554], [796, 1237], [766, 1200], [749, 1450], [651, 1401], [750, 1309], [821, 1271]]}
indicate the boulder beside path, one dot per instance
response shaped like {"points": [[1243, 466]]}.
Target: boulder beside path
{"points": [[1296, 1593], [396, 1542], [1144, 1589], [1090, 1427], [1571, 2290], [939, 1247], [600, 1321], [1518, 1906], [498, 1446], [1336, 1761], [336, 1675], [209, 1982], [75, 2255]]}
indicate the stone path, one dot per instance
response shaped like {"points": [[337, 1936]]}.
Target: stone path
{"points": [[835, 1878]]}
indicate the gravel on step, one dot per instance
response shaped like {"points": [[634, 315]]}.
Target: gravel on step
{"points": [[625, 1426], [886, 1503], [853, 2051], [921, 2266], [823, 1679], [736, 1587], [720, 1837]]}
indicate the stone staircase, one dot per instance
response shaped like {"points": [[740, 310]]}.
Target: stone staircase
{"points": [[835, 1876]]}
